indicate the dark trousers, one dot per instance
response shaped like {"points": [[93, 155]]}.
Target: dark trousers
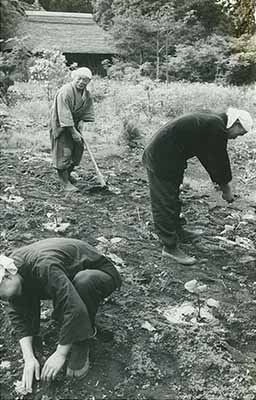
{"points": [[166, 208], [93, 286]]}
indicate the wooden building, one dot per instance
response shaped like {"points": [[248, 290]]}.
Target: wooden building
{"points": [[77, 35]]}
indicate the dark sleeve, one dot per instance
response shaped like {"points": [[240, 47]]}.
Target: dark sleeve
{"points": [[214, 157], [24, 313], [69, 308]]}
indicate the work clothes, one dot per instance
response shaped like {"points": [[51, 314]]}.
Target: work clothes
{"points": [[70, 106], [166, 207], [71, 273], [202, 135]]}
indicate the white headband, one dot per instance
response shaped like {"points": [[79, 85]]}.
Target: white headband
{"points": [[7, 265], [83, 71], [243, 116]]}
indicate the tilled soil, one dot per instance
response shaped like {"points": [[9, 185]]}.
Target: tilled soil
{"points": [[138, 353]]}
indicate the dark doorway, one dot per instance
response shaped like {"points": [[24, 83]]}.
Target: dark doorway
{"points": [[92, 61]]}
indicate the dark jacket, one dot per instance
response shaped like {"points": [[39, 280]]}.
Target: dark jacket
{"points": [[48, 268], [200, 134]]}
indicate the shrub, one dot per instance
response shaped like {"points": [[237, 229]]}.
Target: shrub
{"points": [[201, 62], [50, 69], [13, 66], [242, 63], [121, 70], [5, 82], [131, 134]]}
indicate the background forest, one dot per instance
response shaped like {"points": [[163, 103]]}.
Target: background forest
{"points": [[175, 56], [170, 40]]}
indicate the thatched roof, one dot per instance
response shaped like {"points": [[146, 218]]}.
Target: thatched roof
{"points": [[68, 32]]}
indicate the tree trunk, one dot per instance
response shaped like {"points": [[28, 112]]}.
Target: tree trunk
{"points": [[157, 56], [166, 57]]}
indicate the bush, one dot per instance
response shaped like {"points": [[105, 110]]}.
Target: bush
{"points": [[121, 70], [50, 69], [201, 62], [242, 63], [131, 133], [13, 67]]}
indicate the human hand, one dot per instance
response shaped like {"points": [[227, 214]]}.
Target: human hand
{"points": [[52, 366], [31, 369]]}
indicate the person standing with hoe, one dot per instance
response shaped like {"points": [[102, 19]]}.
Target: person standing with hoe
{"points": [[72, 106], [200, 134]]}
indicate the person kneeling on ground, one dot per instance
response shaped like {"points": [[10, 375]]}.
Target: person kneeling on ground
{"points": [[201, 134], [77, 278], [72, 106]]}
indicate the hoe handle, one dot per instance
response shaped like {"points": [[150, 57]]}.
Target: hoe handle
{"points": [[98, 173]]}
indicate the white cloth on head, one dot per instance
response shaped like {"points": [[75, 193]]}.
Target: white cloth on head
{"points": [[7, 265], [83, 72], [243, 116]]}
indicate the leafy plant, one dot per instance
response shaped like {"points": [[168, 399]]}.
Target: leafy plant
{"points": [[242, 62], [51, 70], [203, 61], [131, 133], [196, 288], [13, 66], [11, 12]]}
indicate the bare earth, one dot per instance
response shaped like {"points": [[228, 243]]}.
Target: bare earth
{"points": [[146, 348]]}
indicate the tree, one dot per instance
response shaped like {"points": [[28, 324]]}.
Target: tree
{"points": [[208, 12], [11, 13], [134, 37], [106, 10], [139, 7], [205, 60], [103, 13], [242, 62], [152, 39], [241, 13], [243, 17], [65, 5]]}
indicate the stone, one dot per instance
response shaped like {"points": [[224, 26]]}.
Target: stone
{"points": [[212, 303]]}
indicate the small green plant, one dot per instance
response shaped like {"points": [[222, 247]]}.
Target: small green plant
{"points": [[196, 288], [131, 133]]}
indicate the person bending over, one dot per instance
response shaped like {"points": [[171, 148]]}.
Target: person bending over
{"points": [[201, 134], [76, 278]]}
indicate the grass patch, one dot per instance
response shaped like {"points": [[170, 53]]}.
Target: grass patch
{"points": [[147, 105]]}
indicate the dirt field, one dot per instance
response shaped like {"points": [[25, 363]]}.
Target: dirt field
{"points": [[150, 345]]}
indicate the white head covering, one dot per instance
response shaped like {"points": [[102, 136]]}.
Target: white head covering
{"points": [[83, 71], [7, 265], [243, 116]]}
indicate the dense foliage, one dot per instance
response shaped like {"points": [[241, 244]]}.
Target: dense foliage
{"points": [[183, 39], [11, 12], [65, 5], [192, 40]]}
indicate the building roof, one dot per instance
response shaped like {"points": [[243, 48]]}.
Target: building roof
{"points": [[68, 32]]}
